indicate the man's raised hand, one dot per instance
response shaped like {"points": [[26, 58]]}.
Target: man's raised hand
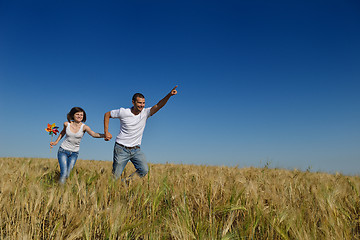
{"points": [[173, 91]]}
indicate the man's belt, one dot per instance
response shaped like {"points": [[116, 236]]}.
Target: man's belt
{"points": [[138, 146]]}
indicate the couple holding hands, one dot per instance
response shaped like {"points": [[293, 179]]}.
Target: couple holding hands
{"points": [[128, 141]]}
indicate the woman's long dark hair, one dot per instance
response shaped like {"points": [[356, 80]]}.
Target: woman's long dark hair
{"points": [[70, 115]]}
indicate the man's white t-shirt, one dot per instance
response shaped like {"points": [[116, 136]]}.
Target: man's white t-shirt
{"points": [[131, 126]]}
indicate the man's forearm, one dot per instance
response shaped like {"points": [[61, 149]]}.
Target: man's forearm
{"points": [[106, 122], [163, 101], [108, 135]]}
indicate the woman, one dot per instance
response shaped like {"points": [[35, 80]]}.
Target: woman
{"points": [[73, 131]]}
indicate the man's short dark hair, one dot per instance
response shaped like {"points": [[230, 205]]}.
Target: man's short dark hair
{"points": [[137, 95]]}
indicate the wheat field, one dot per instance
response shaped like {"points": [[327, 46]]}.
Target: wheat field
{"points": [[175, 202]]}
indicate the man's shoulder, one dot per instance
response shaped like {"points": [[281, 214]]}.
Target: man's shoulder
{"points": [[146, 112], [121, 109], [115, 113]]}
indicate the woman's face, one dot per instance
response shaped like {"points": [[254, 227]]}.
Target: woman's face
{"points": [[78, 117]]}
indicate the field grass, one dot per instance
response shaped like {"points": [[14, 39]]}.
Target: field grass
{"points": [[175, 202]]}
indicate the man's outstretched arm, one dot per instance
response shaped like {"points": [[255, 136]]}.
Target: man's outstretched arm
{"points": [[108, 135], [163, 101]]}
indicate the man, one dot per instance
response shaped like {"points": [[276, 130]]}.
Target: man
{"points": [[132, 125]]}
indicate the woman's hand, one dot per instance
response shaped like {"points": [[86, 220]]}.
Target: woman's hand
{"points": [[52, 144]]}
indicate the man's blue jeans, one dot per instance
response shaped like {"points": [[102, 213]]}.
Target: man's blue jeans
{"points": [[67, 160], [121, 157]]}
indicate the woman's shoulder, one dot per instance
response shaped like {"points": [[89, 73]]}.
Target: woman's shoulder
{"points": [[85, 127], [66, 124]]}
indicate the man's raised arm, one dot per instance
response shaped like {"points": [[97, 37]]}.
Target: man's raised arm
{"points": [[163, 101]]}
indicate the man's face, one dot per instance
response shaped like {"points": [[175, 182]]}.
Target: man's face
{"points": [[139, 104]]}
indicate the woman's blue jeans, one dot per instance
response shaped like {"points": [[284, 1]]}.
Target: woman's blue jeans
{"points": [[123, 155], [67, 160]]}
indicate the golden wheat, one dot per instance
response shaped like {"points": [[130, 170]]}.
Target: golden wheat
{"points": [[175, 202]]}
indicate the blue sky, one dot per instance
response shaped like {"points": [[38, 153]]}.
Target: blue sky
{"points": [[259, 81]]}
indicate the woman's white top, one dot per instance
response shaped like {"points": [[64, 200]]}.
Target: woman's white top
{"points": [[72, 140]]}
